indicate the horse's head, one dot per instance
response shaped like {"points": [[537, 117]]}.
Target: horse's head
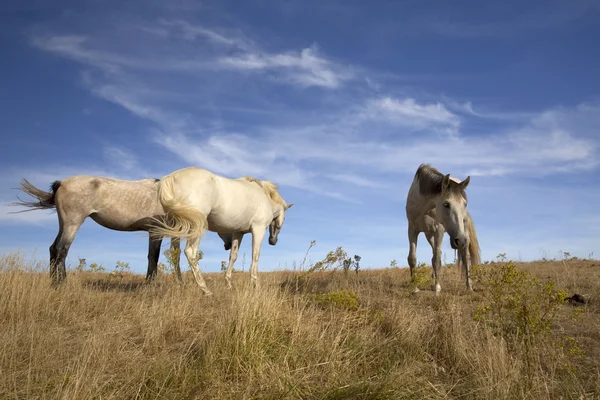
{"points": [[277, 223], [451, 209]]}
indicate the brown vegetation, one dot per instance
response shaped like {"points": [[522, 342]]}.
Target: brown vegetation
{"points": [[326, 335]]}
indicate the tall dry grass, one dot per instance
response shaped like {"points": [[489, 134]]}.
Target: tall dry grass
{"points": [[115, 338]]}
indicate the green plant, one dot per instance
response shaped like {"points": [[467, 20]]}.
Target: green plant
{"points": [[421, 276], [351, 263], [345, 299], [356, 263], [393, 264], [164, 268], [121, 268], [333, 260], [96, 268], [518, 307]]}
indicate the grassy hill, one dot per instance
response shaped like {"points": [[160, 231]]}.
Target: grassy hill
{"points": [[323, 335]]}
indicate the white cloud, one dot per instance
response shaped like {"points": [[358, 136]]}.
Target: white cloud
{"points": [[359, 135], [407, 112], [306, 68]]}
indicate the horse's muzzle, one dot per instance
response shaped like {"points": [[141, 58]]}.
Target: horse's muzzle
{"points": [[272, 241], [457, 243]]}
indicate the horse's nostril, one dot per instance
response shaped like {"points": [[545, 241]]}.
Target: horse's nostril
{"points": [[456, 242]]}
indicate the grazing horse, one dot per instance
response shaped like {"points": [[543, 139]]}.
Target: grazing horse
{"points": [[196, 200], [435, 204], [116, 204]]}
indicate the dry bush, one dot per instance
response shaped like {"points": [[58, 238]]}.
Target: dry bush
{"points": [[122, 339]]}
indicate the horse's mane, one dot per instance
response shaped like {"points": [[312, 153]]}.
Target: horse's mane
{"points": [[430, 181], [270, 189]]}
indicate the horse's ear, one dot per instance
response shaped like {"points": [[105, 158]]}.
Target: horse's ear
{"points": [[289, 206], [465, 183], [445, 182]]}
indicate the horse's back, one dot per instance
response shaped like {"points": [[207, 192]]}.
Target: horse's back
{"points": [[114, 203], [231, 205]]}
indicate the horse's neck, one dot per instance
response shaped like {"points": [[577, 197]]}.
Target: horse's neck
{"points": [[276, 209], [427, 204]]}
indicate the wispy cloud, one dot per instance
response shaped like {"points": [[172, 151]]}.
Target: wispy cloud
{"points": [[305, 68], [359, 134], [407, 112], [194, 31]]}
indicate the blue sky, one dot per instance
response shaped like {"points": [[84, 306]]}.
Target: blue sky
{"points": [[336, 101]]}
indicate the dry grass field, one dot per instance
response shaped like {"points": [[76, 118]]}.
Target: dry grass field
{"points": [[322, 336]]}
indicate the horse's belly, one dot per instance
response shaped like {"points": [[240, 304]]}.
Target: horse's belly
{"points": [[120, 224], [229, 225]]}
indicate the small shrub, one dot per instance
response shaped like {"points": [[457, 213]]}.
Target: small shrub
{"points": [[421, 276], [96, 268], [521, 309], [121, 268], [345, 299], [333, 260], [164, 268], [349, 263]]}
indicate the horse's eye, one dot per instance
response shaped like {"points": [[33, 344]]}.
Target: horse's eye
{"points": [[446, 204]]}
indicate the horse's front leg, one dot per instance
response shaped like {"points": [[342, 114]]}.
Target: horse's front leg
{"points": [[465, 256], [436, 261], [257, 238], [236, 240]]}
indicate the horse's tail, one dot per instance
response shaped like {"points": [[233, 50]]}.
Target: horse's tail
{"points": [[474, 250], [182, 220], [45, 200]]}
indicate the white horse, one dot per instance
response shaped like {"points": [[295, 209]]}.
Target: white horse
{"points": [[197, 200], [435, 204]]}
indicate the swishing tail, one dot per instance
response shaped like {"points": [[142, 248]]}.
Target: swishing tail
{"points": [[181, 220], [45, 200], [474, 250]]}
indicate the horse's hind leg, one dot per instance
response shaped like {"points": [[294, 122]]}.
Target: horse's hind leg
{"points": [[153, 255], [60, 248], [413, 236], [191, 252]]}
